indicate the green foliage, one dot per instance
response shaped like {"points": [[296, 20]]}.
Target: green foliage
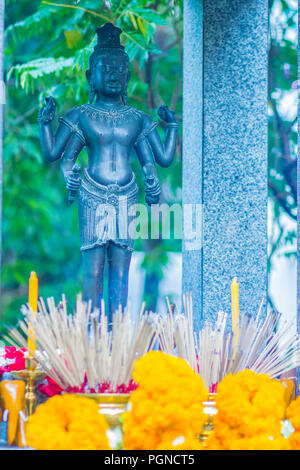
{"points": [[47, 52], [282, 124], [28, 75], [38, 23], [282, 137]]}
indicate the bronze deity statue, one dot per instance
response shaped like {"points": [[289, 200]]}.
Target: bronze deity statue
{"points": [[107, 191]]}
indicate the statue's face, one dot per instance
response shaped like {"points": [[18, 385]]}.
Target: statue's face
{"points": [[111, 76]]}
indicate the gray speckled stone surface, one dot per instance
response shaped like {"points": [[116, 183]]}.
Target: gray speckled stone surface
{"points": [[192, 140], [225, 151]]}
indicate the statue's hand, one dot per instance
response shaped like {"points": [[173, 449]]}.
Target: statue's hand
{"points": [[47, 112], [166, 114], [152, 190]]}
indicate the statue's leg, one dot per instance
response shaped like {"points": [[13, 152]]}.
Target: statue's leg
{"points": [[93, 268], [119, 262]]}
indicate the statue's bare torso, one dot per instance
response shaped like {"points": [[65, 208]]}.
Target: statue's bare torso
{"points": [[109, 136]]}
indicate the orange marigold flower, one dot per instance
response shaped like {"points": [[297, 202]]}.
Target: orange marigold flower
{"points": [[181, 443], [250, 409], [67, 422], [295, 440], [166, 405], [261, 442], [293, 415]]}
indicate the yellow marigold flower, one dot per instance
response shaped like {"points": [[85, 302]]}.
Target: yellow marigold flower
{"points": [[261, 442], [250, 406], [295, 440], [181, 443], [166, 404], [213, 443], [293, 415], [67, 422]]}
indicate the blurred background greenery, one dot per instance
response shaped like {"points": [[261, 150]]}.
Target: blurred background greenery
{"points": [[282, 140], [47, 50]]}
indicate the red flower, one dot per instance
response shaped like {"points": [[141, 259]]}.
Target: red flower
{"points": [[11, 352], [49, 387], [16, 354]]}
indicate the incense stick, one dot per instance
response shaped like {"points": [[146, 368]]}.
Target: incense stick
{"points": [[265, 344], [78, 346]]}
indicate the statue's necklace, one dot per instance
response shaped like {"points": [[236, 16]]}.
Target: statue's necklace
{"points": [[114, 116]]}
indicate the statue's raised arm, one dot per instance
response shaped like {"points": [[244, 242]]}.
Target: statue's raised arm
{"points": [[52, 145], [164, 152]]}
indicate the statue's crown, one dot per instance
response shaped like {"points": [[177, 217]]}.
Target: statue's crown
{"points": [[108, 40], [109, 37]]}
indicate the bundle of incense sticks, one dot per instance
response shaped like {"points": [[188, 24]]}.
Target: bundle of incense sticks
{"points": [[266, 344], [81, 347]]}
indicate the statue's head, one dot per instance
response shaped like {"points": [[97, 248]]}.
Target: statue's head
{"points": [[108, 74]]}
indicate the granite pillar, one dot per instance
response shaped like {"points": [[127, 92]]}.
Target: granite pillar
{"points": [[192, 270], [225, 152]]}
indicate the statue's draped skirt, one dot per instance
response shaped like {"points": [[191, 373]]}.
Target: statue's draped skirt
{"points": [[106, 213]]}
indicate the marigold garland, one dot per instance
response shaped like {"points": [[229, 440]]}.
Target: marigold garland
{"points": [[261, 442], [293, 415], [67, 422], [179, 443], [166, 405], [250, 409]]}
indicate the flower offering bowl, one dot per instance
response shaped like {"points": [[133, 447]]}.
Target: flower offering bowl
{"points": [[111, 405]]}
